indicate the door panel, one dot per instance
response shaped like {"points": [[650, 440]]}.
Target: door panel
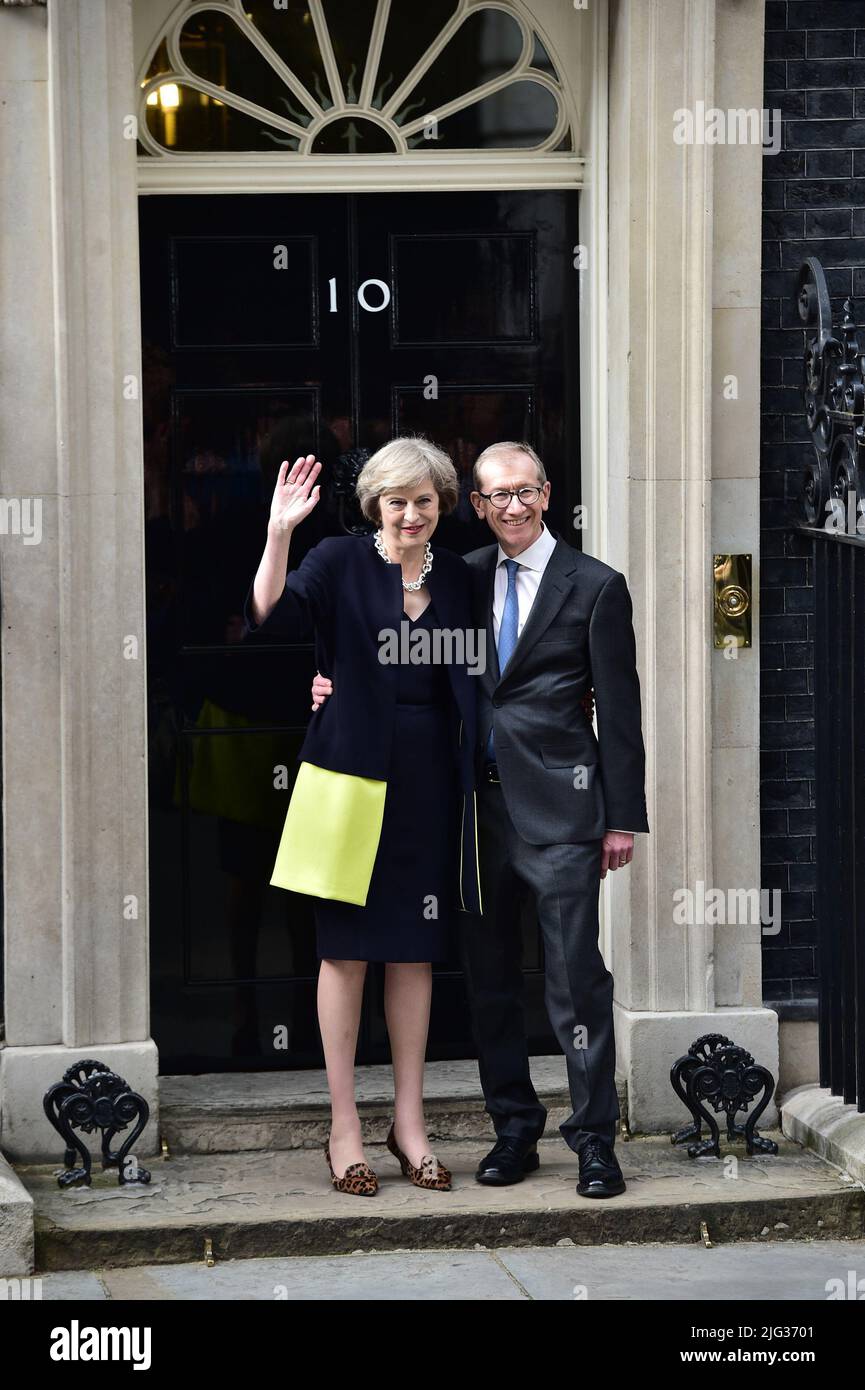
{"points": [[488, 283], [258, 304], [472, 347], [257, 347]]}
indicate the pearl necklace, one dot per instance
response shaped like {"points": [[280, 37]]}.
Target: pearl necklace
{"points": [[413, 585]]}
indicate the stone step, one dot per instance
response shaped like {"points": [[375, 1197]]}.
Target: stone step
{"points": [[244, 1112], [276, 1203]]}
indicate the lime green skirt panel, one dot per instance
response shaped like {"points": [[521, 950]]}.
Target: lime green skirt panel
{"points": [[331, 835]]}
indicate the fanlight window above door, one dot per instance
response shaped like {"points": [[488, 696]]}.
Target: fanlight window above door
{"points": [[351, 77]]}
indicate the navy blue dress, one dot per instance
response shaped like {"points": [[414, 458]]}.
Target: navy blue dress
{"points": [[343, 596], [409, 911]]}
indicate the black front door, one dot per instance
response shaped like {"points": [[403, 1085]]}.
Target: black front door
{"points": [[276, 326]]}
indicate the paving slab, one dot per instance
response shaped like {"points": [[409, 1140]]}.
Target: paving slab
{"points": [[62, 1287], [419, 1276], [743, 1272], [282, 1203], [739, 1272]]}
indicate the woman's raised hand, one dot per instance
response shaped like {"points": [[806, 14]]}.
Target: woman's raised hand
{"points": [[294, 495]]}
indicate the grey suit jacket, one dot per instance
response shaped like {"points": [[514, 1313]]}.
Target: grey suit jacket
{"points": [[561, 783]]}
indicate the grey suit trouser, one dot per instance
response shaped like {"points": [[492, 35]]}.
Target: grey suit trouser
{"points": [[564, 881]]}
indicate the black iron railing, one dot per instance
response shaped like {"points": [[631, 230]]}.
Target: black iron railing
{"points": [[834, 516]]}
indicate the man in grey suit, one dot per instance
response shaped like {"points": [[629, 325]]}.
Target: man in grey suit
{"points": [[557, 808]]}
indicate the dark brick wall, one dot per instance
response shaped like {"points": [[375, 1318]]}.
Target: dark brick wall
{"points": [[813, 204]]}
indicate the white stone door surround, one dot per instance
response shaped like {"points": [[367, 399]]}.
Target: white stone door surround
{"points": [[671, 303]]}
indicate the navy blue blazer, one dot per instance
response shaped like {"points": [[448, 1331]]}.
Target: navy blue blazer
{"points": [[342, 594]]}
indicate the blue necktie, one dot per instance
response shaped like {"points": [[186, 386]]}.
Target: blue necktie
{"points": [[508, 629]]}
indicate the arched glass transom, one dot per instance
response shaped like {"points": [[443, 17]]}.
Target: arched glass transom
{"points": [[351, 77]]}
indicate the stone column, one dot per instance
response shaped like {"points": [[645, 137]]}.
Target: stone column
{"points": [[683, 311], [73, 657]]}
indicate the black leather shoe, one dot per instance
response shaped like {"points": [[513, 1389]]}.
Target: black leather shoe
{"points": [[600, 1174], [508, 1161]]}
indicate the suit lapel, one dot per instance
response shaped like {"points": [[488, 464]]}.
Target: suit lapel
{"points": [[493, 672], [483, 586], [553, 589]]}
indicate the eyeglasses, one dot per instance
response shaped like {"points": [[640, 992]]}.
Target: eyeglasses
{"points": [[501, 498]]}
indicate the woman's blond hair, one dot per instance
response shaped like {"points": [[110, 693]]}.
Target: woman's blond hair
{"points": [[405, 463]]}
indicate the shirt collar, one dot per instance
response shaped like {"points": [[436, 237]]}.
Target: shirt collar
{"points": [[536, 555]]}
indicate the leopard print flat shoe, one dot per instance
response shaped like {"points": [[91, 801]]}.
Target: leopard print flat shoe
{"points": [[431, 1174], [358, 1180]]}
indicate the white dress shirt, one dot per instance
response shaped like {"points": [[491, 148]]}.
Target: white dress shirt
{"points": [[532, 562]]}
